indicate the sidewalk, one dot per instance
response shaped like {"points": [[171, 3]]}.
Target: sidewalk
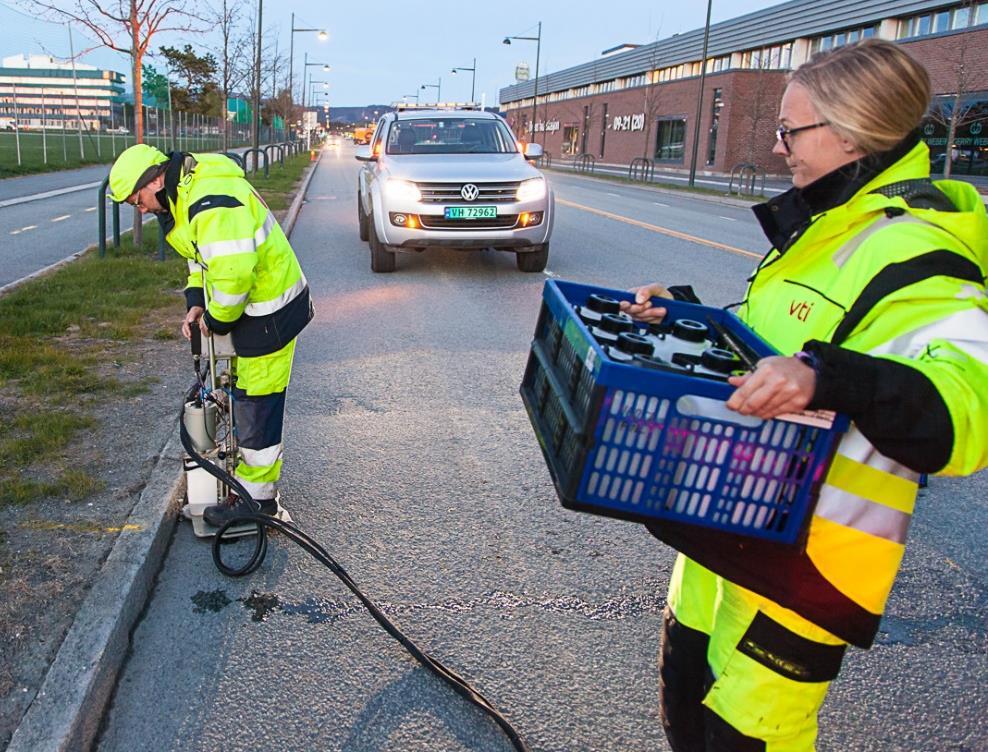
{"points": [[82, 572]]}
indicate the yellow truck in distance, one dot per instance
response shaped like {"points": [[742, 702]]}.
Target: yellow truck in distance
{"points": [[362, 135]]}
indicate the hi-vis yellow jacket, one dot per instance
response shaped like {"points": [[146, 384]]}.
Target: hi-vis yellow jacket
{"points": [[891, 282], [221, 225]]}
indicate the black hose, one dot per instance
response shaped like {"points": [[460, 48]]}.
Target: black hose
{"points": [[290, 531], [263, 521]]}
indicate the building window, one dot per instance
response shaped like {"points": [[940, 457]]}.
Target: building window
{"points": [[718, 104], [570, 135], [670, 140]]}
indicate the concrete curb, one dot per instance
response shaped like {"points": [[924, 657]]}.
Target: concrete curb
{"points": [[66, 712], [296, 206]]}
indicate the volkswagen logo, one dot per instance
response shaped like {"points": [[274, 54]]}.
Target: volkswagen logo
{"points": [[469, 192]]}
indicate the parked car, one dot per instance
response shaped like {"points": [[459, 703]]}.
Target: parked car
{"points": [[452, 178], [118, 130]]}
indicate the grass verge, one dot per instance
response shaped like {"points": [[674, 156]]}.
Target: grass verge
{"points": [[58, 333]]}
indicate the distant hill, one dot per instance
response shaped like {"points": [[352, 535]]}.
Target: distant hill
{"points": [[365, 114], [355, 115]]}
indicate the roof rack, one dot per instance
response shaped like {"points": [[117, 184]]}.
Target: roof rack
{"points": [[405, 106]]}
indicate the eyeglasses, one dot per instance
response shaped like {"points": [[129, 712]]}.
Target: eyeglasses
{"points": [[782, 133], [137, 202]]}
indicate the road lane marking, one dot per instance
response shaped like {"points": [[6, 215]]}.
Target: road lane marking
{"points": [[29, 227], [59, 219], [660, 230], [657, 203], [729, 219], [613, 194], [91, 208], [48, 194]]}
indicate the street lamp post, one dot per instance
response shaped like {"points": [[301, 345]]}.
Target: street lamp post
{"points": [[438, 87], [255, 124], [323, 36], [699, 102], [473, 81], [416, 95], [535, 97], [305, 71]]}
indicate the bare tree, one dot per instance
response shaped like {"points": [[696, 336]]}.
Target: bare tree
{"points": [[126, 26], [651, 103], [955, 112], [759, 106], [233, 52]]}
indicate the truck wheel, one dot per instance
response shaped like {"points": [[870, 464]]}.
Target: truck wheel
{"points": [[361, 218], [382, 260], [533, 261]]}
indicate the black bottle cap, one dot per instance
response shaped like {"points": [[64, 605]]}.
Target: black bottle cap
{"points": [[616, 322], [719, 360], [632, 343], [689, 330], [603, 304]]}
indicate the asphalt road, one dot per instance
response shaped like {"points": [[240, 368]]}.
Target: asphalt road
{"points": [[410, 457], [49, 216]]}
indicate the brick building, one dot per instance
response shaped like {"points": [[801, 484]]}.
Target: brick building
{"points": [[641, 100]]}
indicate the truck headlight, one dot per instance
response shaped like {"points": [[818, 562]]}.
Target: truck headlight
{"points": [[402, 190], [531, 190]]}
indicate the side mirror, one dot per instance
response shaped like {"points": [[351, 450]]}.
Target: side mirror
{"points": [[533, 151], [363, 154]]}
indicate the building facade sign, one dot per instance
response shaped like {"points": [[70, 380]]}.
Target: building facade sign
{"points": [[629, 122], [541, 126]]}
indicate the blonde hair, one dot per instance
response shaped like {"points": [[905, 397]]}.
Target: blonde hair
{"points": [[872, 93]]}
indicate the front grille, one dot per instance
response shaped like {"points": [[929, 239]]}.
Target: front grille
{"points": [[449, 193], [492, 223]]}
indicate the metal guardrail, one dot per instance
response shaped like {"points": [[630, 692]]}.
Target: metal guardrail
{"points": [[257, 154], [584, 162], [545, 160], [641, 169], [746, 174]]}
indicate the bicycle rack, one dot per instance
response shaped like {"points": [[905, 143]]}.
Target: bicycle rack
{"points": [[101, 211], [641, 169], [585, 162], [746, 174], [281, 153], [235, 157], [545, 160], [257, 154]]}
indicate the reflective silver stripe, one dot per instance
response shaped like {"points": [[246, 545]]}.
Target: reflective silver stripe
{"points": [[856, 447], [258, 490], [844, 253], [268, 307], [861, 514], [244, 245], [262, 234], [967, 330], [226, 299], [194, 268], [218, 248], [261, 457]]}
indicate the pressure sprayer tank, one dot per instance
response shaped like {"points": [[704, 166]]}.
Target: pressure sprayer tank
{"points": [[202, 489]]}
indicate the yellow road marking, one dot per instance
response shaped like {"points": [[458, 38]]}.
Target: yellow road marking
{"points": [[660, 230], [79, 527]]}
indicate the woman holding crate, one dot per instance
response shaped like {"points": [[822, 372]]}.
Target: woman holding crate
{"points": [[888, 268]]}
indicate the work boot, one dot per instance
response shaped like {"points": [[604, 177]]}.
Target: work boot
{"points": [[235, 506]]}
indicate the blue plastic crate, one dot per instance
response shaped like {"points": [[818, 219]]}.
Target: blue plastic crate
{"points": [[634, 443]]}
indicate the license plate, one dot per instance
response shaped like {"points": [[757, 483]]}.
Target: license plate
{"points": [[470, 212]]}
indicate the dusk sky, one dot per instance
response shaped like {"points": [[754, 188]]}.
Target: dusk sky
{"points": [[382, 51]]}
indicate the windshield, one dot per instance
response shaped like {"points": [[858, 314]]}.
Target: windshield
{"points": [[449, 136]]}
